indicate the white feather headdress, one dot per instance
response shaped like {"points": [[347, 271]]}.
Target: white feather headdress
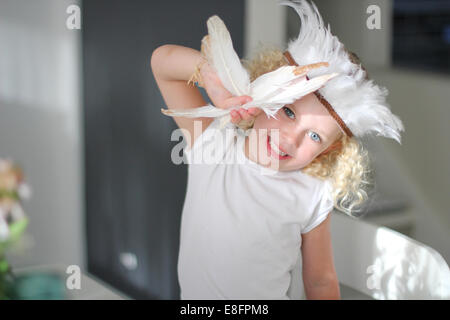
{"points": [[359, 102]]}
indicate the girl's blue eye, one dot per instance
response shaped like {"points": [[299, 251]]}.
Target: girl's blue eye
{"points": [[288, 112], [314, 136]]}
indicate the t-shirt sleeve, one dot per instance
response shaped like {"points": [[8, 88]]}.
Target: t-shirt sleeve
{"points": [[323, 207]]}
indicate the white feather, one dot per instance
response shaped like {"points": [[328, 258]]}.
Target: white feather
{"points": [[268, 94], [271, 81], [225, 60], [206, 111], [288, 92]]}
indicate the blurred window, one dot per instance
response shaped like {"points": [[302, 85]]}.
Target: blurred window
{"points": [[421, 34]]}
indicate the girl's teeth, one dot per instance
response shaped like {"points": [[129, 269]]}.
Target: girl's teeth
{"points": [[274, 147]]}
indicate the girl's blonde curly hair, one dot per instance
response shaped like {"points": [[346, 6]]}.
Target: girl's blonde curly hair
{"points": [[346, 165]]}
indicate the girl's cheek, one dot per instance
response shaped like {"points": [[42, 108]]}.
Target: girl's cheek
{"points": [[302, 154], [260, 123], [268, 123]]}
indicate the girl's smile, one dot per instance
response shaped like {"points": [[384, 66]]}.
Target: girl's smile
{"points": [[274, 151]]}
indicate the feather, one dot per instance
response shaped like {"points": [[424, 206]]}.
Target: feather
{"points": [[221, 55], [271, 93], [286, 92], [206, 111]]}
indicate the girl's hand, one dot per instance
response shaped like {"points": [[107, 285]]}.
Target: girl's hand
{"points": [[222, 98], [244, 118]]}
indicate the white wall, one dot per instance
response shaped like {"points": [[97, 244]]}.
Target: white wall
{"points": [[422, 102], [348, 21], [265, 23], [40, 124]]}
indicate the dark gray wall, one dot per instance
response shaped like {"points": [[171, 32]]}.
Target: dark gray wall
{"points": [[134, 193]]}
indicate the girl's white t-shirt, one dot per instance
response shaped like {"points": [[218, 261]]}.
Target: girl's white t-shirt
{"points": [[241, 223]]}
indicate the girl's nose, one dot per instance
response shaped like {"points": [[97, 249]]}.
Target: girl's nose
{"points": [[293, 135], [291, 140]]}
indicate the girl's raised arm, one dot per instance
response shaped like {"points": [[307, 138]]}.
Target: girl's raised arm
{"points": [[172, 67]]}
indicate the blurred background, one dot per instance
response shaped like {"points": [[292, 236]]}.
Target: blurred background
{"points": [[80, 113]]}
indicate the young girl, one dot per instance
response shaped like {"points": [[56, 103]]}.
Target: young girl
{"points": [[248, 235]]}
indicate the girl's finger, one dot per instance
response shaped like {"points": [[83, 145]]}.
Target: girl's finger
{"points": [[254, 111], [237, 101], [244, 114], [235, 117]]}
